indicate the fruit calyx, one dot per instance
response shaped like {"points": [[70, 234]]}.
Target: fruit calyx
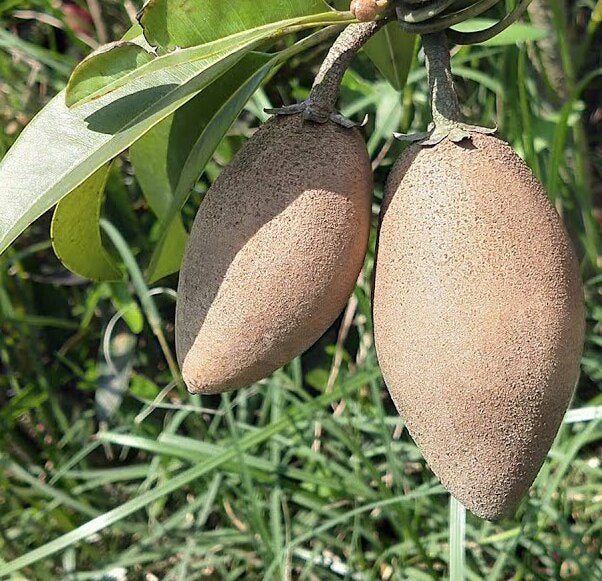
{"points": [[320, 107], [447, 118], [308, 110]]}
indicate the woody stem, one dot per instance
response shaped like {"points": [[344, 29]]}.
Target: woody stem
{"points": [[325, 91], [445, 105]]}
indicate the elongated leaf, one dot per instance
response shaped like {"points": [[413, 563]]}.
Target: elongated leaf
{"points": [[153, 157], [182, 23], [79, 141], [135, 34], [103, 66], [169, 252], [75, 232], [391, 50], [517, 32], [62, 64], [267, 32], [90, 75], [195, 132]]}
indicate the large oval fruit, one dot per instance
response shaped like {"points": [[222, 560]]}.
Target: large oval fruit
{"points": [[274, 252], [478, 316]]}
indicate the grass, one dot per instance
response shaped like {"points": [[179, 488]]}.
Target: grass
{"points": [[110, 470]]}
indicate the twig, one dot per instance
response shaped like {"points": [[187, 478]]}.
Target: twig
{"points": [[131, 10], [99, 25], [320, 107]]}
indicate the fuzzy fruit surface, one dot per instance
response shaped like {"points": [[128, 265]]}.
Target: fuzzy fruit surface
{"points": [[367, 10], [478, 316], [274, 252]]}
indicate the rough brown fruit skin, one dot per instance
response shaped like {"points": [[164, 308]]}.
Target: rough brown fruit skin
{"points": [[367, 10], [274, 252], [478, 316]]}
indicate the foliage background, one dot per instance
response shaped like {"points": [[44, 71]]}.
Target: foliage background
{"points": [[284, 485]]}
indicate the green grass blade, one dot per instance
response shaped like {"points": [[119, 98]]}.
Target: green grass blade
{"points": [[121, 512]]}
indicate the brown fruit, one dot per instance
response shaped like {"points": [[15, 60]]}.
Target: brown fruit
{"points": [[274, 252], [478, 316], [367, 10]]}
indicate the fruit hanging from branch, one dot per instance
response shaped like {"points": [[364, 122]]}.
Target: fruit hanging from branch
{"points": [[274, 252], [478, 316], [279, 241], [447, 118], [478, 305]]}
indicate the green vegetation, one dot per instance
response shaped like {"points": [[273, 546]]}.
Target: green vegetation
{"points": [[110, 470]]}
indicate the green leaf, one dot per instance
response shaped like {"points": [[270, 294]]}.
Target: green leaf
{"points": [[143, 387], [104, 66], [155, 157], [75, 232], [136, 34], [171, 24], [78, 142], [392, 50], [140, 75], [477, 76], [194, 133], [125, 304], [169, 252], [88, 83], [29, 398], [517, 32], [317, 378], [13, 44]]}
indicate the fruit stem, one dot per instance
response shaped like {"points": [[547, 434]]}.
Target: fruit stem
{"points": [[325, 91], [447, 123], [445, 105]]}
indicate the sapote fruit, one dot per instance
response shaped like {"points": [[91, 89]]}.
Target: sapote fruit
{"points": [[274, 252], [478, 316]]}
